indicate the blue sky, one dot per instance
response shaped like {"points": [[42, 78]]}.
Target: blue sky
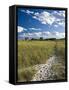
{"points": [[36, 23]]}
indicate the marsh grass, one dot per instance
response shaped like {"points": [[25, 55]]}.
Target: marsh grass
{"points": [[31, 53], [59, 71], [34, 52], [26, 74]]}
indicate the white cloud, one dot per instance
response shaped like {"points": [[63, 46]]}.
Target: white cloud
{"points": [[35, 17], [54, 12], [42, 34], [38, 34], [45, 17], [61, 23], [61, 35], [21, 29], [30, 34], [45, 34], [35, 29], [58, 34], [36, 14], [50, 18], [55, 25], [59, 13], [22, 10], [29, 12]]}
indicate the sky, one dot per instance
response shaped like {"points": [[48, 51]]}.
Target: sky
{"points": [[36, 23]]}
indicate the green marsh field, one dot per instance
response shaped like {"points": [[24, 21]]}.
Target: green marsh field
{"points": [[31, 53]]}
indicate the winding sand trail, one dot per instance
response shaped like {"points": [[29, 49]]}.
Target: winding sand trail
{"points": [[44, 71]]}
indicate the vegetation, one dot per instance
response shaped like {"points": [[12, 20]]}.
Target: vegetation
{"points": [[59, 68], [32, 52], [59, 71], [26, 74]]}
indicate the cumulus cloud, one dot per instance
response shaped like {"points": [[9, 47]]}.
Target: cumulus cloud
{"points": [[45, 34], [60, 22], [45, 17], [49, 18], [38, 34], [21, 29], [59, 13], [42, 34], [58, 34]]}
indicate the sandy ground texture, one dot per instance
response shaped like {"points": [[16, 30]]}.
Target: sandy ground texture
{"points": [[45, 72]]}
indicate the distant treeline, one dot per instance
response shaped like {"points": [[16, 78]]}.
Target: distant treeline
{"points": [[42, 39]]}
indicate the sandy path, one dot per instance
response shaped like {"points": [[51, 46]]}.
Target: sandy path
{"points": [[44, 71]]}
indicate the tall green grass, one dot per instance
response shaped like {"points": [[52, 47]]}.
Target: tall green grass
{"points": [[37, 52], [34, 52], [60, 51], [59, 67]]}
